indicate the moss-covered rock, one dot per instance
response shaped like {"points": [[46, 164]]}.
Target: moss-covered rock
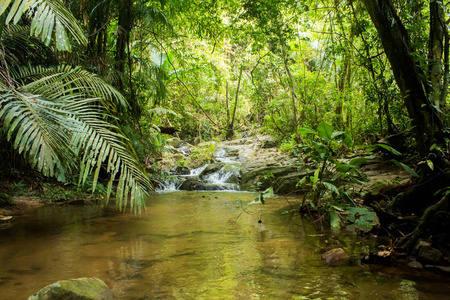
{"points": [[211, 168], [265, 176], [75, 289]]}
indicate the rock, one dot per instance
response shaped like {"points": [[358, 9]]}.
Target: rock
{"points": [[191, 185], [211, 168], [337, 255], [174, 142], [182, 170], [442, 269], [232, 152], [428, 254], [6, 218], [268, 142], [415, 264], [75, 289], [287, 184], [249, 180]]}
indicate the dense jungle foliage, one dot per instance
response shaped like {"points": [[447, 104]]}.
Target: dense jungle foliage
{"points": [[89, 88]]}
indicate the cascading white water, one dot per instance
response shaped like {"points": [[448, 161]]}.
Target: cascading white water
{"points": [[226, 178], [196, 172]]}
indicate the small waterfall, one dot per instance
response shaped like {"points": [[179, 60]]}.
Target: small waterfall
{"points": [[198, 171], [225, 178]]}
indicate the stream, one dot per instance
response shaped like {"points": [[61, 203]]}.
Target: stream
{"points": [[192, 245]]}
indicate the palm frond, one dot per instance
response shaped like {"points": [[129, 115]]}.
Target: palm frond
{"points": [[34, 127], [49, 18], [58, 81], [98, 142], [22, 49]]}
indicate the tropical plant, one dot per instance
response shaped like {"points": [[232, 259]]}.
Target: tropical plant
{"points": [[326, 187], [60, 118]]}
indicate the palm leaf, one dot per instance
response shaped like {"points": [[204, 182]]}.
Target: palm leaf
{"points": [[21, 48], [57, 81], [49, 18], [34, 125], [98, 142]]}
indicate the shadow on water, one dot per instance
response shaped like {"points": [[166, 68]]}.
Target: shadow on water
{"points": [[191, 245]]}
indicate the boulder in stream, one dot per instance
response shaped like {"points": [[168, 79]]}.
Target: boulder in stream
{"points": [[249, 180], [75, 289], [191, 184], [286, 184], [211, 168], [335, 256]]}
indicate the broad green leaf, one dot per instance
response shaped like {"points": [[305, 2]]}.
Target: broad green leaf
{"points": [[384, 146], [325, 130], [306, 131], [335, 221], [337, 134], [430, 164], [405, 167], [347, 198], [316, 176], [331, 187], [358, 161]]}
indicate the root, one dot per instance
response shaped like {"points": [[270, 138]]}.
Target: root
{"points": [[427, 219]]}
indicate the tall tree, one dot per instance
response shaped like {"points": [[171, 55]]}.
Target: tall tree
{"points": [[410, 77]]}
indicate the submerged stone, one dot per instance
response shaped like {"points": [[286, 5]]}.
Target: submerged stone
{"points": [[334, 256], [75, 289]]}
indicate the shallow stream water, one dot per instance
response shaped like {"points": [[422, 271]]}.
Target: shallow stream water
{"points": [[191, 245]]}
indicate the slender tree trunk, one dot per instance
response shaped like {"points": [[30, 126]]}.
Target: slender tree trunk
{"points": [[435, 50], [227, 94], [410, 78], [230, 131], [291, 82], [446, 68]]}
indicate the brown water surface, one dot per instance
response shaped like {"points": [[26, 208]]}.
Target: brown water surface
{"points": [[190, 245]]}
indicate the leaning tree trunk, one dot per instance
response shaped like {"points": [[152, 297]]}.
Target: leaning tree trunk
{"points": [[417, 91], [409, 76]]}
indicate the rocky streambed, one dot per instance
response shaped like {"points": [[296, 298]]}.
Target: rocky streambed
{"points": [[248, 164]]}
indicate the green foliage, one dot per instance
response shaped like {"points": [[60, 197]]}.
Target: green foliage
{"points": [[261, 199], [326, 187], [202, 154], [50, 19], [5, 199], [60, 118], [394, 161]]}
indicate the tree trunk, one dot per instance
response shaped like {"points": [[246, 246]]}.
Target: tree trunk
{"points": [[123, 36], [291, 82], [435, 50], [410, 78], [230, 131]]}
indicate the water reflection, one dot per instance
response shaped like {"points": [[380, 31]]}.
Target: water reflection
{"points": [[190, 245]]}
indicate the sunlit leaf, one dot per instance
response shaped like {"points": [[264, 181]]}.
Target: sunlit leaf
{"points": [[325, 130]]}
